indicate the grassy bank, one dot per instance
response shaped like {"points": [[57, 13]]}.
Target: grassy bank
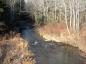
{"points": [[58, 32], [14, 50]]}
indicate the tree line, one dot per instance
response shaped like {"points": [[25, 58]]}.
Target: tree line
{"points": [[70, 12], [67, 11]]}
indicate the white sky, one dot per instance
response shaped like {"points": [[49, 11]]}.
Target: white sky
{"points": [[26, 1]]}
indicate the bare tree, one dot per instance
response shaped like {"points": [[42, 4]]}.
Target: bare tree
{"points": [[58, 10]]}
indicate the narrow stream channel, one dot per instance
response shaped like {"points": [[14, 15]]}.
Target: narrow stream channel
{"points": [[49, 52]]}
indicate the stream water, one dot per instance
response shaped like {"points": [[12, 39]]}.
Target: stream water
{"points": [[50, 52]]}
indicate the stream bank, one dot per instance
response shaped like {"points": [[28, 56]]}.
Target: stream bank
{"points": [[47, 52]]}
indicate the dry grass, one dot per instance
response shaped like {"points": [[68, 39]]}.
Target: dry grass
{"points": [[15, 51], [59, 33]]}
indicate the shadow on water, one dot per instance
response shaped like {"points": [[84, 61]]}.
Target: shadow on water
{"points": [[48, 52], [45, 52], [52, 52]]}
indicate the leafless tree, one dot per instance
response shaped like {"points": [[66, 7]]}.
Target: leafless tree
{"points": [[58, 10]]}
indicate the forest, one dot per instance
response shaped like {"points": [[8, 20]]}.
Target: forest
{"points": [[42, 31]]}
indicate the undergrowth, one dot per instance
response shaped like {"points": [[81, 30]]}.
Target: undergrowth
{"points": [[15, 50]]}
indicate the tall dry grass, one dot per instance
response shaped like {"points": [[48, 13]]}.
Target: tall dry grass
{"points": [[15, 50], [58, 32]]}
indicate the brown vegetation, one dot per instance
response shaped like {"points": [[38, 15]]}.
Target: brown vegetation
{"points": [[58, 32], [15, 51]]}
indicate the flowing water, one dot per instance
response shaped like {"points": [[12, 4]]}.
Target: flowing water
{"points": [[50, 52]]}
